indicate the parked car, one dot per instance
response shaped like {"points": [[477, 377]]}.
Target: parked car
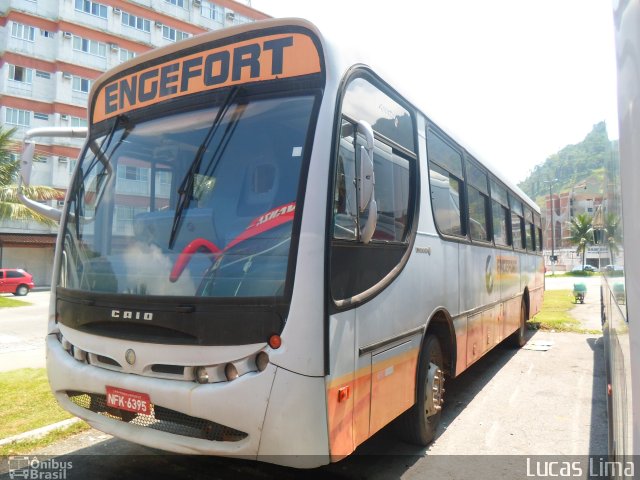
{"points": [[587, 268], [16, 281]]}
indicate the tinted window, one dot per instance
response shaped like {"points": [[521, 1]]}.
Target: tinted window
{"points": [[445, 197], [364, 101], [445, 179], [14, 274], [501, 215], [391, 191], [478, 196]]}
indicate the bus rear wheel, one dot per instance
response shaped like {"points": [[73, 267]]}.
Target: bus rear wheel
{"points": [[419, 424], [519, 337]]}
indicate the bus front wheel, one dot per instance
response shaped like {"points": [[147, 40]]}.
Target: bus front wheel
{"points": [[419, 424]]}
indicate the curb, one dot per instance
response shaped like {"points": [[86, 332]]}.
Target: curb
{"points": [[38, 432]]}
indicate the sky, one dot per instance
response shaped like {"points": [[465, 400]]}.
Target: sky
{"points": [[515, 81]]}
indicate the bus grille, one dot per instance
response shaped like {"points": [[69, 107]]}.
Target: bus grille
{"points": [[162, 419]]}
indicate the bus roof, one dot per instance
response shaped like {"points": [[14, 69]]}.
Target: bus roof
{"points": [[338, 61]]}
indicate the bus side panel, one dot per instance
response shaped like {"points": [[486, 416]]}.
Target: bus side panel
{"points": [[346, 388], [478, 271], [392, 371], [617, 337]]}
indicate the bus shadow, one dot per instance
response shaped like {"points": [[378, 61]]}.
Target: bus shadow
{"points": [[598, 432]]}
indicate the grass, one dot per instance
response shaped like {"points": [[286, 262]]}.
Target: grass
{"points": [[554, 314], [27, 446], [26, 402], [10, 302]]}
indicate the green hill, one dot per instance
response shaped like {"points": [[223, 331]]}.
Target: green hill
{"points": [[575, 166]]}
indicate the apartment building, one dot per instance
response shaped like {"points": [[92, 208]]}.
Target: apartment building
{"points": [[50, 53]]}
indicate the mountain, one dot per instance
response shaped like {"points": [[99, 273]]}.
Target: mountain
{"points": [[583, 162]]}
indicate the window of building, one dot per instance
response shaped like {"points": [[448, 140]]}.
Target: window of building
{"points": [[40, 116], [90, 46], [136, 22], [20, 74], [445, 179], [22, 31], [41, 74], [80, 84], [77, 122], [178, 3], [93, 8], [212, 11], [478, 202], [125, 54], [46, 33], [173, 35], [18, 117]]}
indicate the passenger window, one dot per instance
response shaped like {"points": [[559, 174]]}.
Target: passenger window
{"points": [[478, 195], [517, 224], [445, 180], [501, 215], [530, 232]]}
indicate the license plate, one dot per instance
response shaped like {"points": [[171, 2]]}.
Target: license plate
{"points": [[127, 400]]}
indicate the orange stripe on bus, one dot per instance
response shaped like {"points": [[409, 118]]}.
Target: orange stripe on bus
{"points": [[351, 422]]}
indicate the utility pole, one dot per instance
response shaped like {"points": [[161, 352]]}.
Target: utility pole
{"points": [[553, 257]]}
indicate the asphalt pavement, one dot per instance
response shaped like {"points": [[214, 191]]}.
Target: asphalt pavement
{"points": [[548, 398]]}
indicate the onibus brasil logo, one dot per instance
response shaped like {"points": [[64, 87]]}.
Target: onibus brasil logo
{"points": [[32, 468]]}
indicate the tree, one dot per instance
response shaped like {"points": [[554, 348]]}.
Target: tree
{"points": [[581, 230], [612, 234], [10, 206]]}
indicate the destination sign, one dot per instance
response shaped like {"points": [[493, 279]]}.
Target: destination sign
{"points": [[256, 60]]}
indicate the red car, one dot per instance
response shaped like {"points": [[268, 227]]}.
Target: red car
{"points": [[16, 281]]}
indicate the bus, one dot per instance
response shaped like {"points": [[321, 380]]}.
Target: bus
{"points": [[267, 251], [617, 229]]}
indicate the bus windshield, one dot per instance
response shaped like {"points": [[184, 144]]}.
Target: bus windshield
{"points": [[198, 202]]}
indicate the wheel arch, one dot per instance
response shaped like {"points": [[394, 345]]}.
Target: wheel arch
{"points": [[440, 324]]}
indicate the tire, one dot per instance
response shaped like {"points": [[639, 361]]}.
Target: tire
{"points": [[519, 337], [21, 291], [417, 425]]}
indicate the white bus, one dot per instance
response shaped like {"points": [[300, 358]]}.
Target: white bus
{"points": [[267, 251], [621, 282]]}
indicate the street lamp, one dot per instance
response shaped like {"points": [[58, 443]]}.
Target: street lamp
{"points": [[553, 257]]}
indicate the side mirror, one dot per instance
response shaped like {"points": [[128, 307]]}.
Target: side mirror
{"points": [[366, 181], [366, 177], [26, 165]]}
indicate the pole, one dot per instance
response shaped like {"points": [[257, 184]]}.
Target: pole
{"points": [[553, 234]]}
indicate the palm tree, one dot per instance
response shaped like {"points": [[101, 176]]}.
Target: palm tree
{"points": [[10, 206], [581, 230], [612, 232]]}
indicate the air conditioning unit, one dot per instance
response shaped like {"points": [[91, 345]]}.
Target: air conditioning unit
{"points": [[116, 11], [230, 16], [114, 47], [159, 24], [67, 34], [197, 3], [63, 159], [64, 116], [67, 76]]}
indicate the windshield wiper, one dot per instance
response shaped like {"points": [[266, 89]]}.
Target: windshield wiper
{"points": [[185, 190], [79, 180]]}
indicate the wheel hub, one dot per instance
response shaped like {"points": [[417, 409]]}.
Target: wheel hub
{"points": [[434, 390]]}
